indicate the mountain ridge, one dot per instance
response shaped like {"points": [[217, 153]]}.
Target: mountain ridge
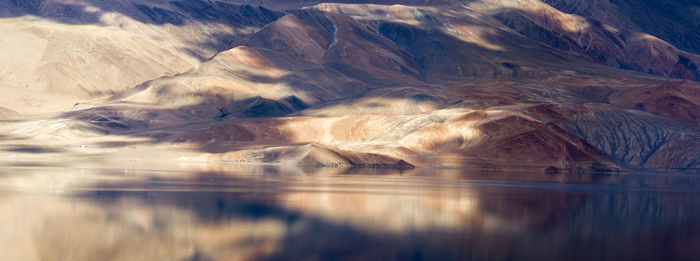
{"points": [[472, 84]]}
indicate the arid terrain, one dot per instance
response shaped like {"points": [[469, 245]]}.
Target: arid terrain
{"points": [[546, 85]]}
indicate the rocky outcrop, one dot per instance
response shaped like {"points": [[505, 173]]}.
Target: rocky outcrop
{"points": [[520, 141], [634, 138]]}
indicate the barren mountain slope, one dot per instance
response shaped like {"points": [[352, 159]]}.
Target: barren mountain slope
{"points": [[677, 22], [57, 53], [474, 84], [603, 43]]}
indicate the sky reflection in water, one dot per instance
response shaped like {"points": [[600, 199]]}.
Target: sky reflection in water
{"points": [[161, 211]]}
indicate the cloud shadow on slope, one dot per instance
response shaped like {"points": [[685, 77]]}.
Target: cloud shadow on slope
{"points": [[176, 13]]}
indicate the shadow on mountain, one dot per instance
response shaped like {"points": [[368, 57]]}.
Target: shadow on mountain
{"points": [[221, 122], [345, 60], [605, 45], [175, 12], [231, 12], [676, 22]]}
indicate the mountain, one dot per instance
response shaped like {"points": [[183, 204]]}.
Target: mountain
{"points": [[487, 84], [677, 22]]}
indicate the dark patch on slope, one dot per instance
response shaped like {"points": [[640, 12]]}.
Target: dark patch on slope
{"points": [[518, 22], [175, 12], [677, 22]]}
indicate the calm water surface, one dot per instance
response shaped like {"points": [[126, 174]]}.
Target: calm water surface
{"points": [[169, 211]]}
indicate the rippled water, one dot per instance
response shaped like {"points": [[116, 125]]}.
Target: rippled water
{"points": [[167, 211]]}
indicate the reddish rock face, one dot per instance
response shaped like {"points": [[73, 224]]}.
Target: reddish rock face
{"points": [[678, 100], [517, 139]]}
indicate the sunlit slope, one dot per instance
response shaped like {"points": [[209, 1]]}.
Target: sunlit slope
{"points": [[56, 54], [49, 66]]}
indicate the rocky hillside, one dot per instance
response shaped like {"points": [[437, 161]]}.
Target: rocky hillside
{"points": [[488, 84], [677, 22]]}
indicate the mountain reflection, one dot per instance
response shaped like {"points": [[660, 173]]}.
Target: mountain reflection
{"points": [[247, 212]]}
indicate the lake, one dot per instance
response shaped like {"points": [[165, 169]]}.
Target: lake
{"points": [[132, 210]]}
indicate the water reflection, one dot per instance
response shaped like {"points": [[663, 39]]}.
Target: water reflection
{"points": [[160, 211]]}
